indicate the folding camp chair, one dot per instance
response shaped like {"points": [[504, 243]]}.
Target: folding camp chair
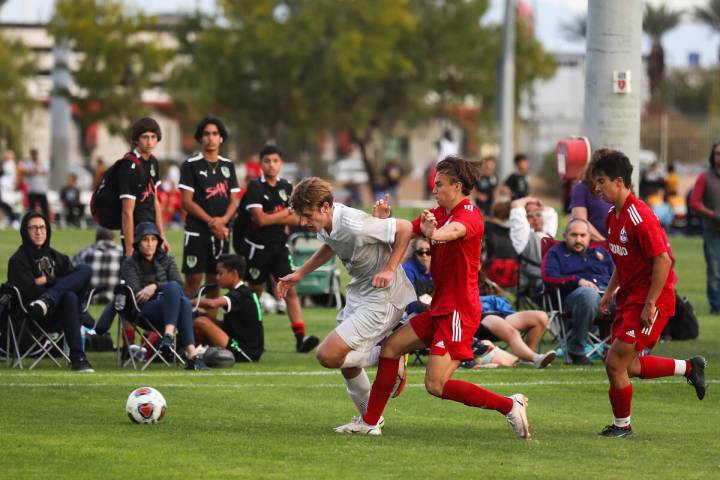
{"points": [[325, 280], [20, 328], [127, 308]]}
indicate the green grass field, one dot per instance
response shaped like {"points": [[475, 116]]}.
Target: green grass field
{"points": [[274, 419]]}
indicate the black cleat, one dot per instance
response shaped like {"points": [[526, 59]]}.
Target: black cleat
{"points": [[611, 431], [697, 377], [81, 365], [306, 343], [41, 307], [196, 363]]}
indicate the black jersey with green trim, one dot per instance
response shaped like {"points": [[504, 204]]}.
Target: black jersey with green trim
{"points": [[139, 182], [243, 319], [212, 184], [271, 199]]}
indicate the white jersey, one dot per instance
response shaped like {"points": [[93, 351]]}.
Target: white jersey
{"points": [[363, 244]]}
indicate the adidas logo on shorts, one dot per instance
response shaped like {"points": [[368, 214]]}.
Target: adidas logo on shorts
{"points": [[440, 344]]}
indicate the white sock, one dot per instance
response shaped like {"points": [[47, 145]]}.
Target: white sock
{"points": [[621, 422], [358, 389], [680, 367], [361, 359]]}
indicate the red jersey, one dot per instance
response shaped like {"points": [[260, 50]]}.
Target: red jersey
{"points": [[454, 267], [634, 239]]}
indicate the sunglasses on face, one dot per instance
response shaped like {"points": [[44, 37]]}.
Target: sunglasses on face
{"points": [[422, 253], [534, 215]]}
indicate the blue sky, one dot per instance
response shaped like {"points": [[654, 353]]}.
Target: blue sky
{"points": [[549, 14]]}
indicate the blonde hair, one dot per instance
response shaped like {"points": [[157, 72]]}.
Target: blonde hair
{"points": [[310, 194]]}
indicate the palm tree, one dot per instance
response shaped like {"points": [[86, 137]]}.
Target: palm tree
{"points": [[710, 16], [656, 23], [576, 29]]}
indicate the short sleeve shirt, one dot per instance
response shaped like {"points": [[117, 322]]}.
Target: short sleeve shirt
{"points": [[597, 208], [212, 184], [139, 181], [243, 318], [455, 265], [363, 244], [518, 185], [271, 199], [634, 239]]}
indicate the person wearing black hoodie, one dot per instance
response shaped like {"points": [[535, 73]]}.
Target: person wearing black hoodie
{"points": [[51, 284], [154, 277]]}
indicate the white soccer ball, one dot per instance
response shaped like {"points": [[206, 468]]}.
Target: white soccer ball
{"points": [[146, 405]]}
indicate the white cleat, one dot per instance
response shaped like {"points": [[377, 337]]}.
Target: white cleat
{"points": [[517, 418], [358, 425], [545, 359]]}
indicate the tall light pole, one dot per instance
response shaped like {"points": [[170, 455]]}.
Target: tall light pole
{"points": [[613, 77], [507, 98], [60, 115]]}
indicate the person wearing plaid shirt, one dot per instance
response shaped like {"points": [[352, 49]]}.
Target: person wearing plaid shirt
{"points": [[104, 258]]}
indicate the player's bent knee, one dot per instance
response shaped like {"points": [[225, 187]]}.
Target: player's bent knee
{"points": [[434, 386], [328, 359]]}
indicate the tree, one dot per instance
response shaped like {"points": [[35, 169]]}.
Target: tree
{"points": [[115, 66], [710, 16], [656, 23], [16, 65]]}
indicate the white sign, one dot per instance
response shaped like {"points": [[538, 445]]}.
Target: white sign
{"points": [[621, 82]]}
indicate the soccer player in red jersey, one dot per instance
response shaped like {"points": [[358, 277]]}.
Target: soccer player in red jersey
{"points": [[455, 230], [645, 297]]}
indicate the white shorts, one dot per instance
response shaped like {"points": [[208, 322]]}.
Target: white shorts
{"points": [[365, 326]]}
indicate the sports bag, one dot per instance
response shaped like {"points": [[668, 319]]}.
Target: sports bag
{"points": [[105, 204], [684, 324]]}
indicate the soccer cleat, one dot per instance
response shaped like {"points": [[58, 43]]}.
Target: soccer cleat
{"points": [[381, 422], [196, 363], [697, 377], [401, 377], [358, 425], [611, 431], [545, 359], [306, 343], [517, 417], [166, 345], [81, 365]]}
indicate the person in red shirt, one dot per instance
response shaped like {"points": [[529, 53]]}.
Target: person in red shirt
{"points": [[455, 230], [643, 286]]}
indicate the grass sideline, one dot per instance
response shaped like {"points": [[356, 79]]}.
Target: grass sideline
{"points": [[274, 419]]}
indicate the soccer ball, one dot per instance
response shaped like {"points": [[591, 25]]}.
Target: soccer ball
{"points": [[145, 405]]}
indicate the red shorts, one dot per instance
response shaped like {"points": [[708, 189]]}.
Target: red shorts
{"points": [[628, 328], [452, 333]]}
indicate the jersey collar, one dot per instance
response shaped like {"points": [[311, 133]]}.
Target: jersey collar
{"points": [[628, 201], [460, 205], [239, 284]]}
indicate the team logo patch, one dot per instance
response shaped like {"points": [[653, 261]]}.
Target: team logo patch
{"points": [[623, 235], [254, 273], [225, 171], [283, 195], [191, 261], [152, 170]]}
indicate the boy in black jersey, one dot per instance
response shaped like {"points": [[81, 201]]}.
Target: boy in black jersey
{"points": [[260, 235], [139, 177], [209, 188], [241, 330]]}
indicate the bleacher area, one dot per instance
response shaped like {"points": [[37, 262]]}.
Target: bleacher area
{"points": [[274, 419]]}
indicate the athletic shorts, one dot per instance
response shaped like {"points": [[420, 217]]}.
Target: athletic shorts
{"points": [[201, 251], [452, 333], [628, 328], [264, 260], [484, 333], [365, 326]]}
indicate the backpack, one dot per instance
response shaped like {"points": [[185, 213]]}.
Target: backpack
{"points": [[105, 204], [684, 324]]}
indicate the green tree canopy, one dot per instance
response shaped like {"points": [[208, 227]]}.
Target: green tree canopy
{"points": [[16, 65]]}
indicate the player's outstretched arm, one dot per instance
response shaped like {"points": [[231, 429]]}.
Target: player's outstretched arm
{"points": [[262, 219], [448, 233], [318, 259], [403, 234]]}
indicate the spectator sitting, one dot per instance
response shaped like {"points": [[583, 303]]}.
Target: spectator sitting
{"points": [[501, 322], [154, 277], [74, 210], [530, 222], [582, 273], [500, 258], [104, 258], [53, 287], [417, 269], [586, 205], [241, 330]]}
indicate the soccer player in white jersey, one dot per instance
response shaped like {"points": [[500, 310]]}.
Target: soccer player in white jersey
{"points": [[372, 250]]}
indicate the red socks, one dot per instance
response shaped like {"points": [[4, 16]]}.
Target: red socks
{"points": [[620, 399], [474, 396], [298, 328], [381, 389], [655, 367]]}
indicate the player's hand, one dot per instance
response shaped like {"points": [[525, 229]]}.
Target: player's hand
{"points": [[428, 224], [381, 209], [588, 284], [606, 303], [647, 316], [129, 251], [165, 246], [382, 279], [285, 283], [146, 293], [41, 280]]}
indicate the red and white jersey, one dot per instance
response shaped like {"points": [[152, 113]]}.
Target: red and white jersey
{"points": [[634, 239], [454, 267]]}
